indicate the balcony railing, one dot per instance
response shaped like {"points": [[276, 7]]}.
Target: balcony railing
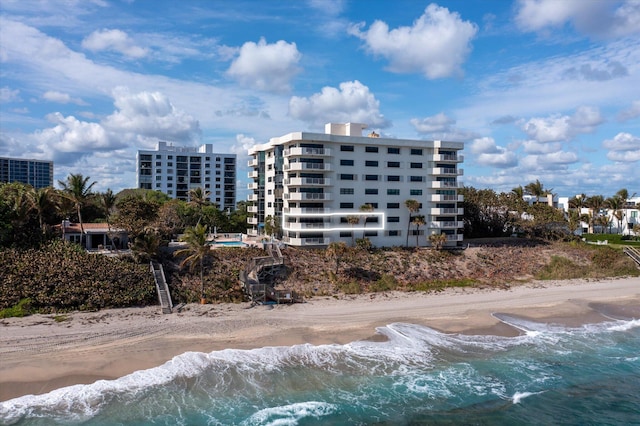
{"points": [[445, 184], [295, 211], [252, 220], [307, 181], [252, 185], [446, 224], [252, 197], [446, 211], [302, 196], [307, 166], [448, 157], [455, 237], [253, 174], [300, 151], [447, 197], [298, 226], [252, 209], [306, 241], [253, 162], [446, 171]]}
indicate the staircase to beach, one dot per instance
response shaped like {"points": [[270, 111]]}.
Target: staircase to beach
{"points": [[260, 275], [633, 253], [162, 288]]}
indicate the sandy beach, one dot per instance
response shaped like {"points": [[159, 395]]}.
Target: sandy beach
{"points": [[44, 352]]}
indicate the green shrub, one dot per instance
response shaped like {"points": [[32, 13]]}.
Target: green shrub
{"points": [[350, 287], [386, 282], [23, 308]]}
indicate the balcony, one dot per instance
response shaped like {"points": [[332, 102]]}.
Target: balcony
{"points": [[252, 185], [449, 158], [292, 226], [443, 171], [306, 241], [307, 152], [306, 166], [446, 197], [445, 184], [297, 211], [253, 162], [446, 211], [307, 182], [253, 197], [252, 220], [252, 209], [446, 224], [305, 196], [455, 237], [253, 174]]}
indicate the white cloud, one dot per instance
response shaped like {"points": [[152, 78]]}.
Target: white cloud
{"points": [[632, 112], [113, 40], [623, 147], [268, 67], [150, 114], [242, 145], [436, 45], [8, 95], [61, 98], [352, 102], [491, 155], [535, 147], [557, 128], [436, 123], [613, 18]]}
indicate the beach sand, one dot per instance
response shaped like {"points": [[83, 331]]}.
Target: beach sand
{"points": [[44, 352]]}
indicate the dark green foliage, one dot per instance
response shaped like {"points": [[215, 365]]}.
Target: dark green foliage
{"points": [[23, 308], [63, 277]]}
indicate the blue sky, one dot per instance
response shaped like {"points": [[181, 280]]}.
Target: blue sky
{"points": [[537, 89]]}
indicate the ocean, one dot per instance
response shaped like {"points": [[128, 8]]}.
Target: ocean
{"points": [[549, 374]]}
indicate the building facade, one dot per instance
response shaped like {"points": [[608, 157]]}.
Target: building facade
{"points": [[175, 170], [317, 188], [36, 173]]}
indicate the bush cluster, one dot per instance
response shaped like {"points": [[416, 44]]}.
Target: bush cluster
{"points": [[61, 277]]}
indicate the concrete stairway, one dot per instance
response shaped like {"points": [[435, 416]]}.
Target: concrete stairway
{"points": [[161, 286]]}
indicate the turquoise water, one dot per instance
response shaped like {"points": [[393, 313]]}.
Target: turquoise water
{"points": [[547, 375], [230, 243]]}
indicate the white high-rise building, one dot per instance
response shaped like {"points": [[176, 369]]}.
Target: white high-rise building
{"points": [[175, 170], [316, 188]]}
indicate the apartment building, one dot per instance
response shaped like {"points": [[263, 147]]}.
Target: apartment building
{"points": [[36, 173], [313, 186], [174, 170]]}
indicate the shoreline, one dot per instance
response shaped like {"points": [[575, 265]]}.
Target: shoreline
{"points": [[40, 354]]}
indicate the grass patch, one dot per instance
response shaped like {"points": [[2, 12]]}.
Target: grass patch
{"points": [[561, 268], [385, 283], [61, 318], [350, 287], [604, 262], [23, 308]]}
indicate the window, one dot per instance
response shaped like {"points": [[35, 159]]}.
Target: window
{"points": [[416, 179], [371, 233], [370, 177], [393, 178], [391, 150], [371, 163], [345, 234], [346, 205], [346, 176], [158, 163], [158, 185], [393, 164], [158, 156], [370, 149], [346, 148], [393, 205], [416, 165], [169, 185], [170, 164], [346, 162], [393, 192], [415, 192], [158, 177], [170, 157], [371, 191], [394, 233], [393, 219], [346, 191], [416, 151]]}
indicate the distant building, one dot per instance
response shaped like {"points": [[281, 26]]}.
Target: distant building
{"points": [[36, 173], [313, 185], [174, 170]]}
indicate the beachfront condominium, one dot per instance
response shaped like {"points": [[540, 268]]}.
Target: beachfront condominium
{"points": [[316, 188], [175, 170], [36, 173]]}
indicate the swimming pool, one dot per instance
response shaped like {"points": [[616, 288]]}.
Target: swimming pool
{"points": [[229, 244]]}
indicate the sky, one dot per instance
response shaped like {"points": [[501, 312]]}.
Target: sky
{"points": [[544, 90]]}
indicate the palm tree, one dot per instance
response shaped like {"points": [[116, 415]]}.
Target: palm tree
{"points": [[536, 189], [518, 191], [413, 206], [196, 252], [615, 203], [438, 240], [353, 220], [365, 208], [77, 190], [40, 200], [418, 221], [624, 195], [199, 198], [336, 250], [595, 204]]}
